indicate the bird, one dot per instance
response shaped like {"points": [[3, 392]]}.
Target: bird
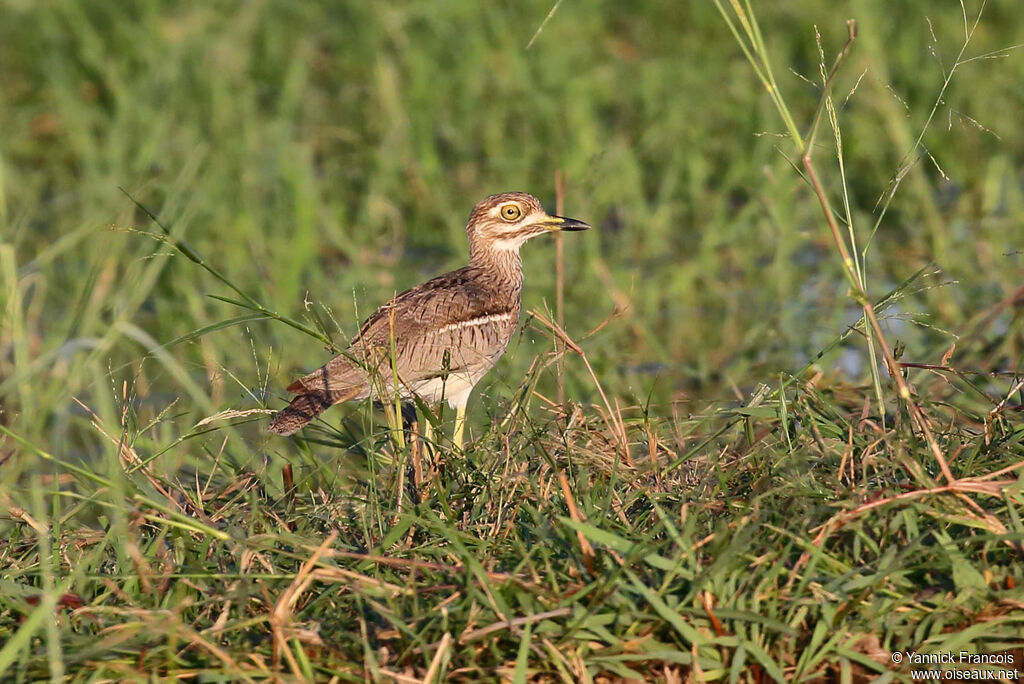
{"points": [[438, 339]]}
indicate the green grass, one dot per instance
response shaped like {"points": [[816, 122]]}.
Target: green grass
{"points": [[769, 518]]}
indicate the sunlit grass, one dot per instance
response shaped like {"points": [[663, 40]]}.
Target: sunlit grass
{"points": [[722, 497]]}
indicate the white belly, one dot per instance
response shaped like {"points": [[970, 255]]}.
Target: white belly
{"points": [[454, 389]]}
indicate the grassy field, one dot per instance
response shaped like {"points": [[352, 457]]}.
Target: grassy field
{"points": [[735, 488]]}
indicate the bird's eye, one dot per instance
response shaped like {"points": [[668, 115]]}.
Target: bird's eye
{"points": [[511, 212]]}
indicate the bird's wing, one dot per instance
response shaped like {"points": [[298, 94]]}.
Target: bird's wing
{"points": [[446, 325]]}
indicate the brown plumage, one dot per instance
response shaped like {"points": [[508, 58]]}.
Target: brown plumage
{"points": [[438, 339]]}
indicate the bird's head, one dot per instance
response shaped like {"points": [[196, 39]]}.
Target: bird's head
{"points": [[504, 222]]}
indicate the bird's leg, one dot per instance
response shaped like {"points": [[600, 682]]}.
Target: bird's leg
{"points": [[429, 473], [416, 446], [410, 422], [460, 426], [428, 431]]}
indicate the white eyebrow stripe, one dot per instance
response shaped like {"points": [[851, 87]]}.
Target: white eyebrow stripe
{"points": [[482, 320]]}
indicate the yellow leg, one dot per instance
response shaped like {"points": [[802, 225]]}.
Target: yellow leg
{"points": [[460, 426], [422, 441], [428, 431]]}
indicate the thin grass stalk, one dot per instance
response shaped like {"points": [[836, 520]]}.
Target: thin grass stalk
{"points": [[859, 261], [249, 302], [612, 418], [395, 421], [917, 416], [560, 284], [758, 57], [906, 163]]}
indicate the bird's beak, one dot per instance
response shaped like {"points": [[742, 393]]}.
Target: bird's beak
{"points": [[562, 223]]}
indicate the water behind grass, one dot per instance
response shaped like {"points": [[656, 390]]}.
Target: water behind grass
{"points": [[324, 157]]}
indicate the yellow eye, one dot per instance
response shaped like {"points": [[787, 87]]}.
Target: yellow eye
{"points": [[511, 212]]}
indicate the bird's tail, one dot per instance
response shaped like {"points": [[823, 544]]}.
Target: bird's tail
{"points": [[304, 408]]}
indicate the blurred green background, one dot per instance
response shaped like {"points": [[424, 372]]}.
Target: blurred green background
{"points": [[325, 155]]}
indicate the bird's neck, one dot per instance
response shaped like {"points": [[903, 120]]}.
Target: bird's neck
{"points": [[501, 269]]}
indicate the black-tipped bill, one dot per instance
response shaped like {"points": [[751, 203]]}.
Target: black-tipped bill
{"points": [[563, 223]]}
